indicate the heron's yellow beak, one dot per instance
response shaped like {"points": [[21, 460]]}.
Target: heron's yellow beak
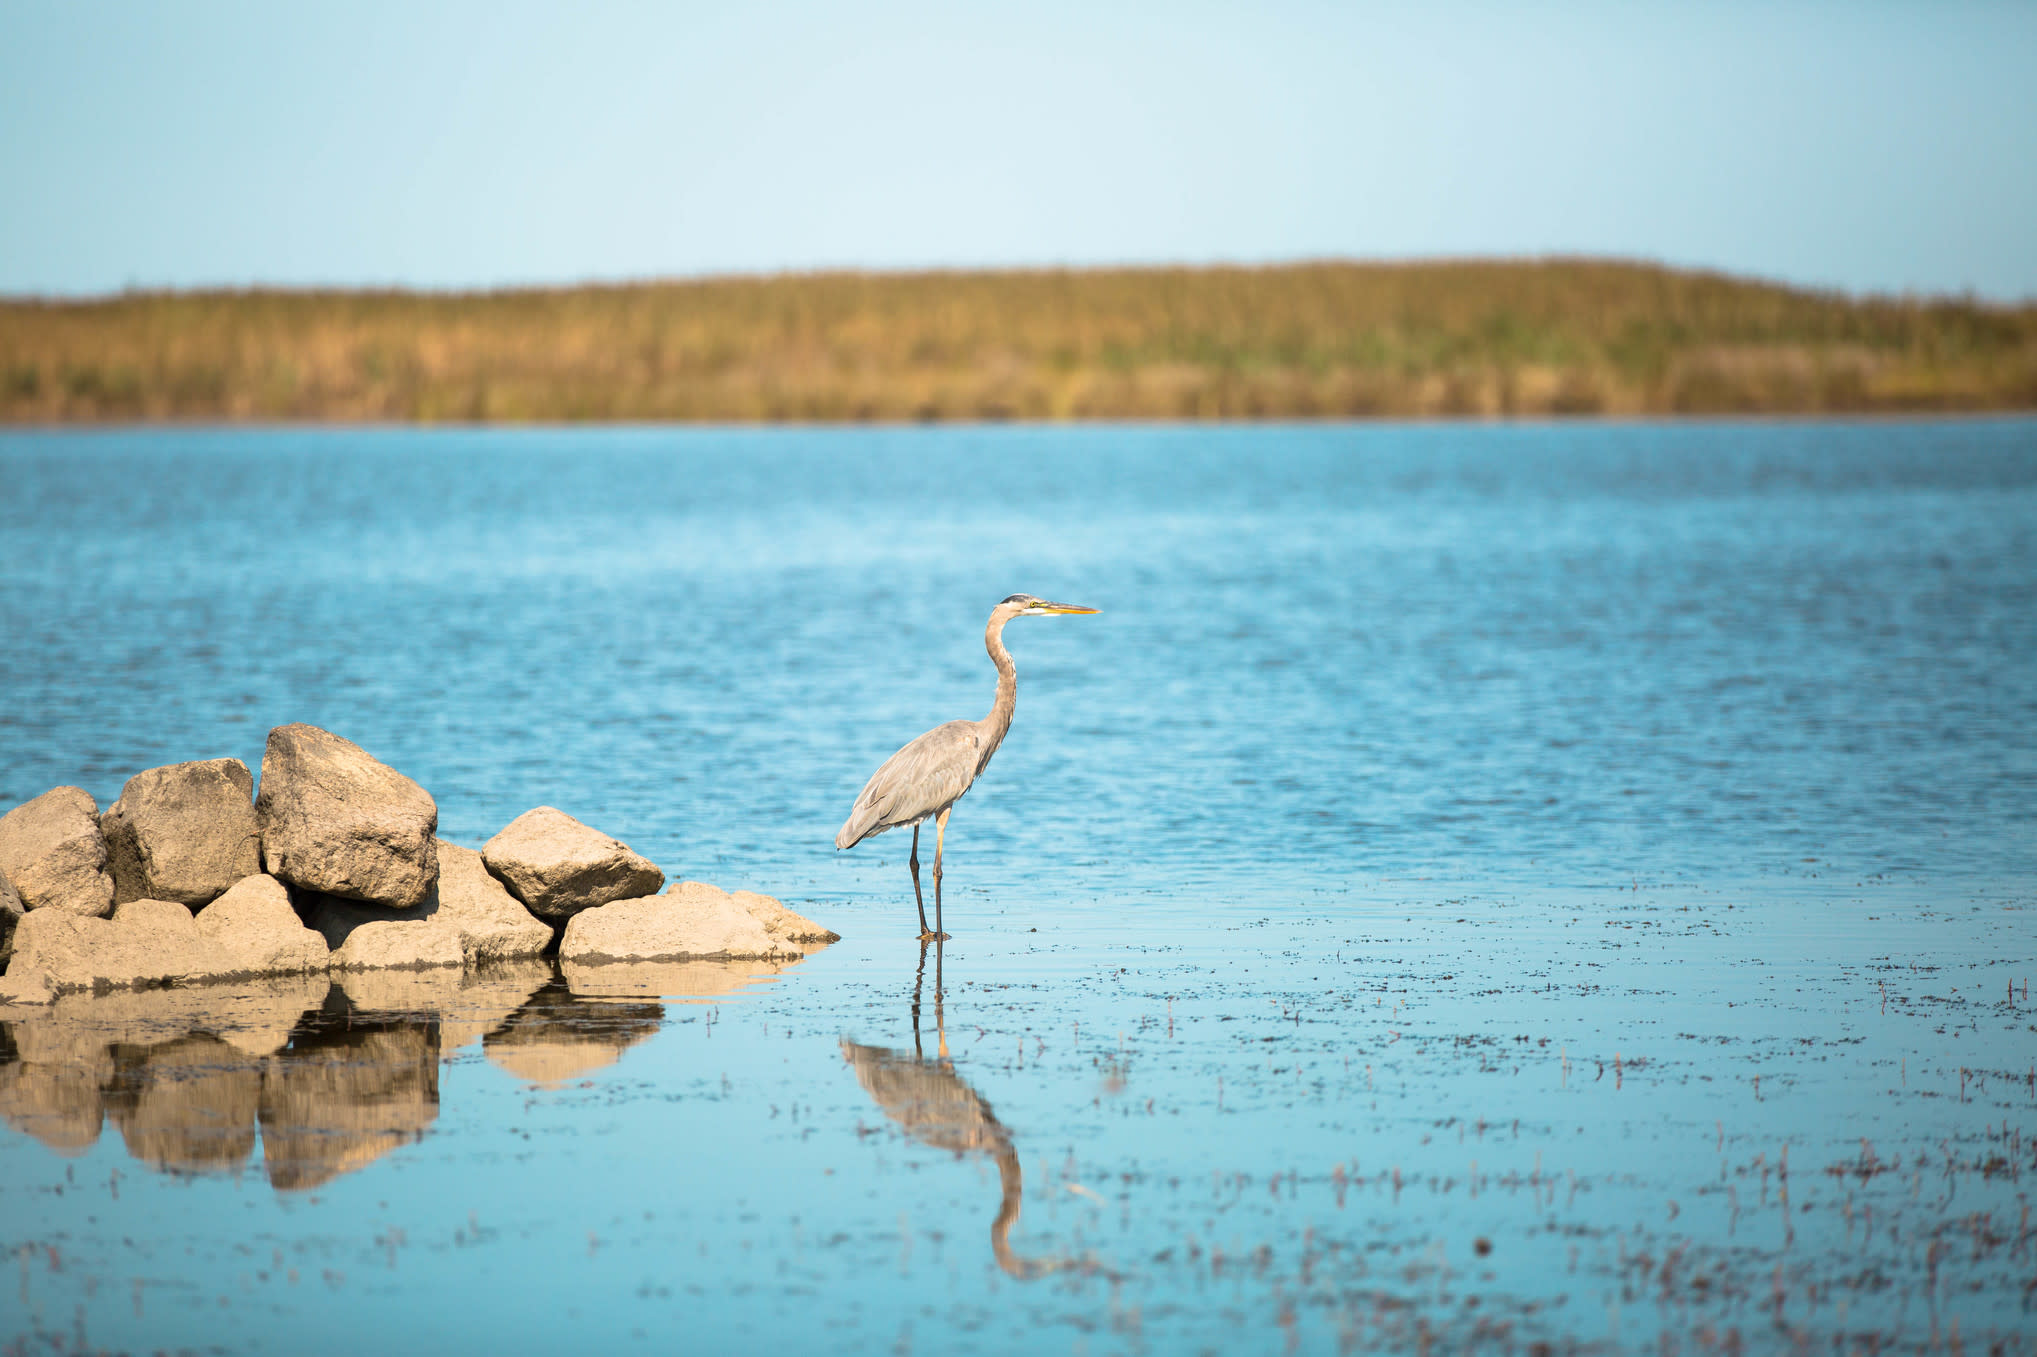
{"points": [[1059, 608]]}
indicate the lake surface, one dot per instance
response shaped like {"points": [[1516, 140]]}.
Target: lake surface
{"points": [[1522, 888]]}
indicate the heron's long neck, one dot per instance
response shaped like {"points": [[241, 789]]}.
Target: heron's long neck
{"points": [[999, 721]]}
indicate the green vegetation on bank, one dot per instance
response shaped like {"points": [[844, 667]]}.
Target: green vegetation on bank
{"points": [[1561, 337]]}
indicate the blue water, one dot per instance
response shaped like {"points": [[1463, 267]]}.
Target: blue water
{"points": [[1602, 806]]}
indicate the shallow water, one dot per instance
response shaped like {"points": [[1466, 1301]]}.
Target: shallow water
{"points": [[1487, 886]]}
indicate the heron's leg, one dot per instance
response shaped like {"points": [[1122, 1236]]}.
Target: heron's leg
{"points": [[917, 898], [940, 838]]}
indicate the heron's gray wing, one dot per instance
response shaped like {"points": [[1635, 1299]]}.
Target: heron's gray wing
{"points": [[915, 782]]}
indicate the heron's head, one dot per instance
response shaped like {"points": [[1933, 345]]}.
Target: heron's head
{"points": [[1025, 605]]}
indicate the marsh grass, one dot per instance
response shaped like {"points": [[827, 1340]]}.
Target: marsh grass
{"points": [[1530, 337]]}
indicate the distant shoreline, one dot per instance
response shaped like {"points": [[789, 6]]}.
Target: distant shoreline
{"points": [[1315, 343]]}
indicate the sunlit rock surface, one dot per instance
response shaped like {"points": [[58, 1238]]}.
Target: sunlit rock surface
{"points": [[467, 914], [54, 854], [337, 820], [146, 942], [780, 922], [250, 930], [184, 832], [253, 930], [558, 867], [692, 920]]}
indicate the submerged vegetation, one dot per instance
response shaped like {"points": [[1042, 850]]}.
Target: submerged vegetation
{"points": [[1550, 337]]}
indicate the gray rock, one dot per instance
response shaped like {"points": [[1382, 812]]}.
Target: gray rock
{"points": [[54, 856], [336, 820], [183, 832], [251, 930], [484, 920], [692, 921], [558, 866]]}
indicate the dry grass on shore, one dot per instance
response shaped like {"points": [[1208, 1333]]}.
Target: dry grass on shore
{"points": [[1553, 337]]}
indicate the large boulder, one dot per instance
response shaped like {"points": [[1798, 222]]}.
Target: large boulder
{"points": [[252, 930], [54, 856], [468, 906], [558, 866], [692, 921], [183, 832], [335, 819]]}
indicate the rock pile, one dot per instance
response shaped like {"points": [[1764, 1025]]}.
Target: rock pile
{"points": [[336, 865]]}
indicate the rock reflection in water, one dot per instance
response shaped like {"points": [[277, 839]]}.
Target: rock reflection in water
{"points": [[558, 1036], [935, 1106], [350, 1087], [334, 1076]]}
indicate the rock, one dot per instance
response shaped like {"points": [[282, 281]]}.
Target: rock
{"points": [[253, 931], [406, 944], [692, 921], [250, 930], [26, 985], [781, 922], [485, 921], [10, 913], [558, 866], [146, 942], [492, 925], [336, 820], [184, 832], [54, 856]]}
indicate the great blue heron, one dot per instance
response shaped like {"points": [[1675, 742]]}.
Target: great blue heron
{"points": [[924, 780]]}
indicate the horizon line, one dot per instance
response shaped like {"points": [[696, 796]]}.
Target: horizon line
{"points": [[591, 283]]}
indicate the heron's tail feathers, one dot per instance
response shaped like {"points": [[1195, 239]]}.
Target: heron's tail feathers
{"points": [[861, 824]]}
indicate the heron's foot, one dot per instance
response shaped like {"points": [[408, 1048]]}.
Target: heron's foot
{"points": [[930, 936]]}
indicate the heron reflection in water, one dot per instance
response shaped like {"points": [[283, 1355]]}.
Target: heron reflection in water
{"points": [[924, 780], [933, 1105]]}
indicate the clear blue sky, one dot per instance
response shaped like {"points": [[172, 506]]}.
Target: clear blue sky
{"points": [[1869, 146]]}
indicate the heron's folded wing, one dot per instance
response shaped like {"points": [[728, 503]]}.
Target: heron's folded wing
{"points": [[915, 782]]}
